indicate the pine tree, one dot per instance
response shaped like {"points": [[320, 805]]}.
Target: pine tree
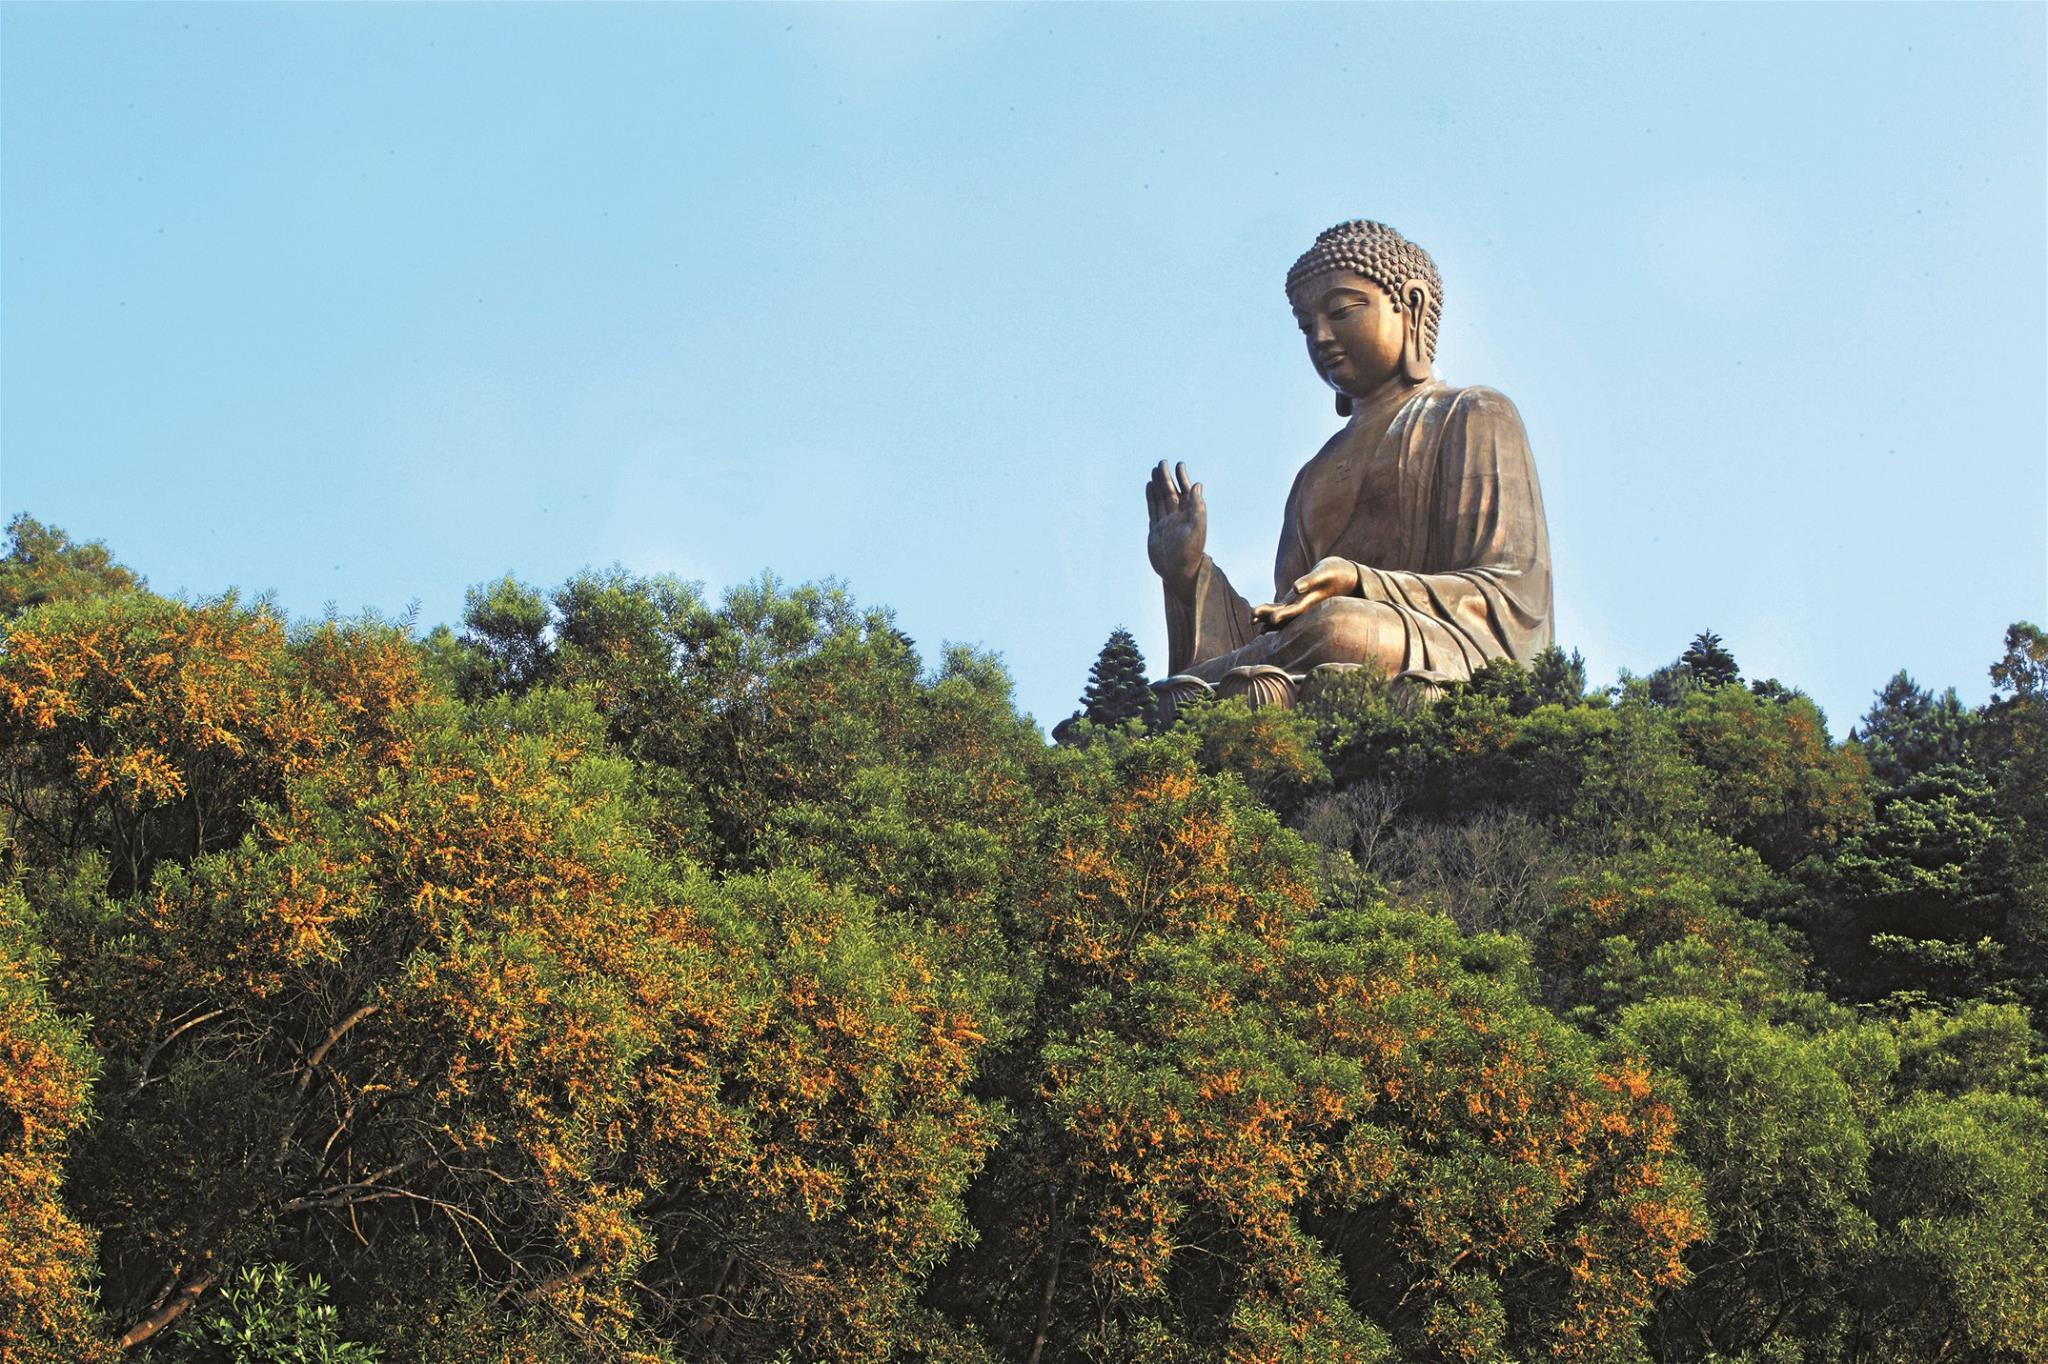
{"points": [[1909, 731], [43, 564], [1709, 661], [1559, 678], [1117, 687]]}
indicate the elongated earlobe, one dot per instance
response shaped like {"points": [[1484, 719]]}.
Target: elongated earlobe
{"points": [[1343, 404], [1415, 355]]}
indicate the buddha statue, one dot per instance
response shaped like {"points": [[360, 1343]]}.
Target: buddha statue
{"points": [[1413, 542]]}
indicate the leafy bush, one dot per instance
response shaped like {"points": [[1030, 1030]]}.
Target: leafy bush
{"points": [[628, 976]]}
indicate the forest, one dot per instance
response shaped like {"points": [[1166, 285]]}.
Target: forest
{"points": [[630, 975]]}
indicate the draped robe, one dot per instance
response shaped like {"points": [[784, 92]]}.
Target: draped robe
{"points": [[1432, 493]]}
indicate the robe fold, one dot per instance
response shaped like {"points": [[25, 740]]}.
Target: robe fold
{"points": [[1432, 494]]}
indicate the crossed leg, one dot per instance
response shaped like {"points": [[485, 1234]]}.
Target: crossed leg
{"points": [[1377, 634]]}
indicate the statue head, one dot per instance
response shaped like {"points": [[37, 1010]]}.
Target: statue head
{"points": [[1391, 278]]}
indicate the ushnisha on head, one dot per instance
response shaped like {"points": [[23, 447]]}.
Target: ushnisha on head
{"points": [[1397, 266]]}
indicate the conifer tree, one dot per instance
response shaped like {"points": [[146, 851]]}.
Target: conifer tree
{"points": [[1909, 731], [42, 564], [1559, 678], [1117, 688], [1709, 661]]}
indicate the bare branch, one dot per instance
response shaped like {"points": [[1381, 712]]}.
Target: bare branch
{"points": [[156, 1321], [156, 1048], [348, 1196], [334, 1034], [1052, 1284]]}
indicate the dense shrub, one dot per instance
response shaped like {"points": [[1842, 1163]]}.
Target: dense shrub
{"points": [[625, 976]]}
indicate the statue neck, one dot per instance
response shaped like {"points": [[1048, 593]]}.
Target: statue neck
{"points": [[1390, 394]]}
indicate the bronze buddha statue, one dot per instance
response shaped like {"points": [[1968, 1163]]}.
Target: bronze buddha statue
{"points": [[1414, 541]]}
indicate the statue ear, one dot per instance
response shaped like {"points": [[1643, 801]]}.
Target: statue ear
{"points": [[1343, 404], [1415, 300]]}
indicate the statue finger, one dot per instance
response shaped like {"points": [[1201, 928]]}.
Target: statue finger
{"points": [[1162, 484], [1180, 474], [1196, 494], [1151, 499]]}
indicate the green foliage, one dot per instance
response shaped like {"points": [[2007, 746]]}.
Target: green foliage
{"points": [[1960, 1184], [2015, 754], [1908, 731], [1988, 1048], [1709, 661], [436, 958], [1773, 1127], [1929, 876], [1263, 1131], [43, 564], [1772, 779], [271, 1315], [1558, 678], [505, 645], [1118, 690], [1552, 678], [1663, 921], [2023, 671], [1272, 751], [631, 976], [47, 1311]]}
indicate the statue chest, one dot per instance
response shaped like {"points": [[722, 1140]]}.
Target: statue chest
{"points": [[1351, 500]]}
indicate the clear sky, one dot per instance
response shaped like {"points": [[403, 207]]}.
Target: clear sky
{"points": [[365, 304]]}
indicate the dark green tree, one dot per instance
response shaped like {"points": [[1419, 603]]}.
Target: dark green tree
{"points": [[1558, 678], [1117, 687], [1509, 681], [1551, 678], [1709, 661], [1770, 1119], [2016, 724], [42, 564], [504, 649], [1771, 776], [1771, 689], [1933, 870], [1909, 731], [2015, 743]]}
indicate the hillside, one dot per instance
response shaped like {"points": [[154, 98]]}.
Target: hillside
{"points": [[632, 976]]}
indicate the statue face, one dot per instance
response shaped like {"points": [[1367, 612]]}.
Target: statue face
{"points": [[1354, 335]]}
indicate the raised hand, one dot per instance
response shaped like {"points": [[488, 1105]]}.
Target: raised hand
{"points": [[1329, 578], [1179, 532]]}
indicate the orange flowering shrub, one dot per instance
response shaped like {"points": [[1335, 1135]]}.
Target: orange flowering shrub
{"points": [[413, 986], [1511, 1189], [1773, 780], [632, 979], [46, 1071], [1267, 1132]]}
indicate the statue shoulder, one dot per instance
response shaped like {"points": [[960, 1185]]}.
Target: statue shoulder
{"points": [[1477, 410], [1477, 400]]}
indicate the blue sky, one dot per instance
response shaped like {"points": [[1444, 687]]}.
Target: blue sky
{"points": [[367, 304]]}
